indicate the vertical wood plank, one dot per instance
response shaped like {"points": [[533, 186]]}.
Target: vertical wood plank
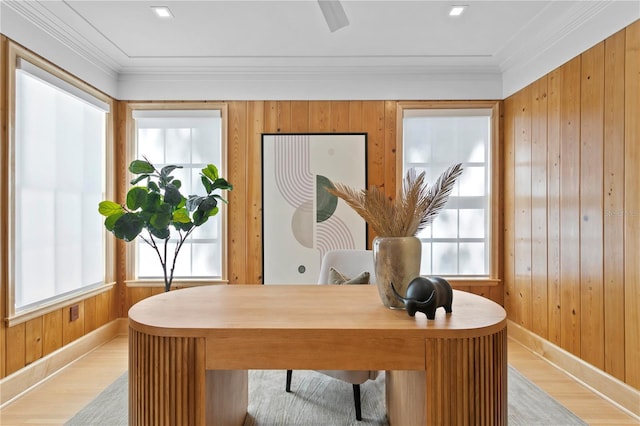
{"points": [[392, 162], [522, 231], [570, 206], [136, 294], [591, 206], [90, 317], [355, 117], [539, 279], [237, 175], [509, 210], [339, 116], [119, 306], [52, 332], [72, 330], [319, 116], [632, 205], [271, 116], [254, 192], [373, 125], [102, 309], [554, 82], [614, 95], [33, 340], [299, 117], [284, 117], [16, 354], [4, 194]]}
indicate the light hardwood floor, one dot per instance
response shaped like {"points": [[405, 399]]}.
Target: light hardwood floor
{"points": [[56, 400]]}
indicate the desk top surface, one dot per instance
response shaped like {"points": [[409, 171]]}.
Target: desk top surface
{"points": [[200, 311]]}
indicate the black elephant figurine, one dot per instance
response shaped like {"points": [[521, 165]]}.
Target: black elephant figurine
{"points": [[426, 294]]}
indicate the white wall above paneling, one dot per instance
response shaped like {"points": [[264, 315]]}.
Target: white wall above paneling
{"points": [[274, 49]]}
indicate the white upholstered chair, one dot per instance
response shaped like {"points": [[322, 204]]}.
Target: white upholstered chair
{"points": [[350, 263]]}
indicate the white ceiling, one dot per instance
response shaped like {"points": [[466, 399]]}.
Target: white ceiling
{"points": [[267, 46]]}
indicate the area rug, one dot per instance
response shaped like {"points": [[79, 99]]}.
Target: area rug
{"points": [[319, 400]]}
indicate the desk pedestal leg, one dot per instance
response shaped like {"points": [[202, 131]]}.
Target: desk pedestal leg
{"points": [[465, 383], [227, 396]]}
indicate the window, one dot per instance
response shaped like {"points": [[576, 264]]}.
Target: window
{"points": [[191, 139], [458, 243], [59, 151]]}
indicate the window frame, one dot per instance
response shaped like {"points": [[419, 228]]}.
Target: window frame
{"points": [[15, 51], [131, 280], [495, 202]]}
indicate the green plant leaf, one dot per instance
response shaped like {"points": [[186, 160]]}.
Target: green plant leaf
{"points": [[200, 217], [193, 202], [136, 197], [110, 221], [211, 172], [141, 166], [172, 195], [160, 220], [183, 226], [153, 202], [181, 216], [208, 186], [221, 183], [139, 178], [177, 183], [214, 211], [163, 233], [128, 226], [108, 208], [153, 186]]}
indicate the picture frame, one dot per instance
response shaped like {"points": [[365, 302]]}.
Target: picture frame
{"points": [[301, 221]]}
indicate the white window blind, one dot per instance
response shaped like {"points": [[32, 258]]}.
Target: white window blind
{"points": [[59, 148]]}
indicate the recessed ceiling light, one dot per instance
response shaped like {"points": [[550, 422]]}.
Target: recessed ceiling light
{"points": [[162, 11], [457, 10]]}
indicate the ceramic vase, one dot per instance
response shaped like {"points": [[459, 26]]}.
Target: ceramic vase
{"points": [[396, 260]]}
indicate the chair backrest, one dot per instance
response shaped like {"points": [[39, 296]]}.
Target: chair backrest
{"points": [[349, 262]]}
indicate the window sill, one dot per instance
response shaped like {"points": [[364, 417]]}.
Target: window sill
{"points": [[57, 304], [473, 282], [177, 283]]}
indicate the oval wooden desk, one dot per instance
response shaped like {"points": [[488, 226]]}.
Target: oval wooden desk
{"points": [[190, 349]]}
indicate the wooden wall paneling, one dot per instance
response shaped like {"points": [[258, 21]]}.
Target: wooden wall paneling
{"points": [[496, 292], [393, 163], [522, 201], [16, 356], [570, 206], [72, 330], [90, 317], [339, 117], [136, 294], [51, 332], [102, 308], [355, 116], [116, 304], [508, 163], [4, 194], [539, 279], [271, 116], [613, 185], [591, 206], [284, 117], [299, 117], [554, 85], [237, 175], [119, 306], [373, 124], [632, 205], [33, 340], [256, 116], [320, 116]]}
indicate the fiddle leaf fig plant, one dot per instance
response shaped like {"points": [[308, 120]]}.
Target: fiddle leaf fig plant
{"points": [[156, 208]]}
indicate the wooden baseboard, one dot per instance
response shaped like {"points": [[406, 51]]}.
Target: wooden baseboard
{"points": [[34, 373], [607, 386]]}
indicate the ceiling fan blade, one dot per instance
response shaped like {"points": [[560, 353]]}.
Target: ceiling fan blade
{"points": [[333, 14]]}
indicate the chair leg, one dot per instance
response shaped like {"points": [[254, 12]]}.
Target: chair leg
{"points": [[288, 387], [356, 400]]}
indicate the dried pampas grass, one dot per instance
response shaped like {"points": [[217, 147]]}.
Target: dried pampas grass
{"points": [[416, 207]]}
